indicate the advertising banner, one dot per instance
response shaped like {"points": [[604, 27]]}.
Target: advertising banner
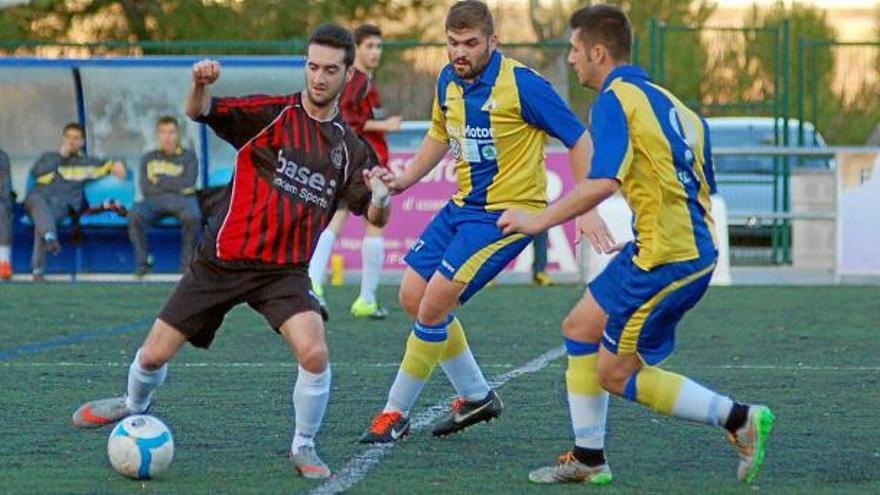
{"points": [[858, 217], [414, 209]]}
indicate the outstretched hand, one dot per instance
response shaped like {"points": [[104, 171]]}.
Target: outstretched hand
{"points": [[378, 188], [593, 227], [513, 221], [395, 183]]}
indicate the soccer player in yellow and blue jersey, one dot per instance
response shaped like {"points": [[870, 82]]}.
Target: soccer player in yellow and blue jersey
{"points": [[656, 152], [494, 114]]}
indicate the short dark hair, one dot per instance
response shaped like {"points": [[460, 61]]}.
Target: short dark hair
{"points": [[470, 14], [335, 36], [73, 125], [365, 31], [605, 24], [167, 119]]}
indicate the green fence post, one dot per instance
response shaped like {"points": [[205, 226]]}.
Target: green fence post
{"points": [[779, 89], [802, 87], [652, 47], [661, 55], [786, 169]]}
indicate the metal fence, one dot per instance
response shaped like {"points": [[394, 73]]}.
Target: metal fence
{"points": [[719, 70], [837, 88]]}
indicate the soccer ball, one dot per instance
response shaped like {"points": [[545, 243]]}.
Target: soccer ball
{"points": [[140, 447]]}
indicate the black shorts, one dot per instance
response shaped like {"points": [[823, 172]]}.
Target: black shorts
{"points": [[208, 291]]}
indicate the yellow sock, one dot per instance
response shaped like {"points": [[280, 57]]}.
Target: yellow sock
{"points": [[421, 356], [675, 395], [423, 350], [456, 341]]}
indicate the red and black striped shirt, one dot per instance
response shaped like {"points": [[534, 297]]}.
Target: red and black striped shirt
{"points": [[290, 173], [360, 102]]}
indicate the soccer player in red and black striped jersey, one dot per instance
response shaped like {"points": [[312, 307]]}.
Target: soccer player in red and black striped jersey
{"points": [[297, 159], [362, 109]]}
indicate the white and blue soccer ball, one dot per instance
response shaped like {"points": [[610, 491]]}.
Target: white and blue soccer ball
{"points": [[140, 447]]}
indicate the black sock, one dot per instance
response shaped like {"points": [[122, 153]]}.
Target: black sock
{"points": [[590, 457], [737, 418]]}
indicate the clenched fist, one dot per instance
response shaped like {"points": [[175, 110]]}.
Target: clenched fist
{"points": [[206, 72]]}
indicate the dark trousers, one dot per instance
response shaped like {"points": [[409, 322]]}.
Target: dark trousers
{"points": [[540, 247], [153, 209], [5, 224], [45, 213]]}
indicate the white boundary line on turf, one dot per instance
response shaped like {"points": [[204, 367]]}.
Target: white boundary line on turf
{"points": [[358, 466], [292, 365]]}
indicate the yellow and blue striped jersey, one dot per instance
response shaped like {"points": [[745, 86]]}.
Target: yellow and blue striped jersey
{"points": [[659, 151], [497, 127]]}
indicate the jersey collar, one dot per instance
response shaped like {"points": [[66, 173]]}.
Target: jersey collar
{"points": [[625, 71], [489, 74], [298, 102]]}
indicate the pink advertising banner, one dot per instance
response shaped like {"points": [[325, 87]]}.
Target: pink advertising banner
{"points": [[414, 209]]}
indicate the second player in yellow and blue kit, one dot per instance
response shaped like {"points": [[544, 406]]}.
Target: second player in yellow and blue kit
{"points": [[496, 127], [656, 152], [659, 151]]}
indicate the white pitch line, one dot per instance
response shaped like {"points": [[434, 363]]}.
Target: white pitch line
{"points": [[358, 466]]}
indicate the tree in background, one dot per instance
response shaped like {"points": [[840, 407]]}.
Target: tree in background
{"points": [[684, 50], [807, 23], [168, 20], [840, 85]]}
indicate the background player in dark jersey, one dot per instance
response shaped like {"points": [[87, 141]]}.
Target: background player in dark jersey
{"points": [[296, 160], [362, 109], [167, 180], [60, 179]]}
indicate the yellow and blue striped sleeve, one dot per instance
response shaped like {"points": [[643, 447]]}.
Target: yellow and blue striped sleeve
{"points": [[438, 121], [542, 107], [613, 151], [708, 162]]}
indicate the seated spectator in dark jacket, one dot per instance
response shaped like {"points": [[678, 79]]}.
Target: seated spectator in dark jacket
{"points": [[60, 178], [167, 181], [6, 205]]}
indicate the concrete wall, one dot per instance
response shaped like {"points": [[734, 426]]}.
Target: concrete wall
{"points": [[813, 241]]}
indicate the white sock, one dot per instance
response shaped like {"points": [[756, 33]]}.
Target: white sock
{"points": [[372, 259], [321, 257], [466, 376], [588, 414], [141, 384], [697, 403], [404, 393], [310, 396], [5, 251]]}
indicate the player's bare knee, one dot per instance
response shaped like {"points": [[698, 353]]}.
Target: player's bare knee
{"points": [[613, 375], [314, 358], [575, 328], [409, 301], [571, 327], [433, 311], [612, 381], [150, 358]]}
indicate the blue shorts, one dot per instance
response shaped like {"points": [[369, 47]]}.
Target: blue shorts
{"points": [[465, 245], [644, 307]]}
